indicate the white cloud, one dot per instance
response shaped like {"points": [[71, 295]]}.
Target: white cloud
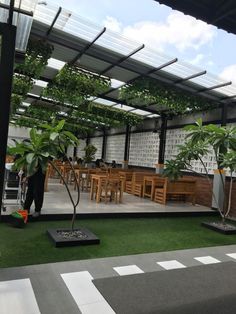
{"points": [[197, 60], [113, 24], [179, 30], [229, 73]]}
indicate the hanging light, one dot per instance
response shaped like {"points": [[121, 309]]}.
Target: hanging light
{"points": [[22, 19]]}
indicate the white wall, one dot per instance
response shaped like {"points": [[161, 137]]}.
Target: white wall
{"points": [[17, 133], [115, 148], [97, 142], [144, 148]]}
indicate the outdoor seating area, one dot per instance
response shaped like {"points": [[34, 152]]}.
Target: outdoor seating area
{"points": [[117, 157]]}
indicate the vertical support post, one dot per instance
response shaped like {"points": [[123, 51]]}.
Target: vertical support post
{"points": [[127, 146], [87, 140], [219, 174], [104, 145], [7, 56], [162, 145]]}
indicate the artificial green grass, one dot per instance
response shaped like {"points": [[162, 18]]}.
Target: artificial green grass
{"points": [[123, 236]]}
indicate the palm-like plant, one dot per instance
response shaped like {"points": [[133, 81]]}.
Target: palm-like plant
{"points": [[41, 148], [198, 142]]}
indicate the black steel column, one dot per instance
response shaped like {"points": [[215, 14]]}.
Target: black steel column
{"points": [[127, 146], [8, 37], [104, 145], [87, 140], [162, 144], [224, 112]]}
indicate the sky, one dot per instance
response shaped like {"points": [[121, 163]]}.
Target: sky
{"points": [[166, 30]]}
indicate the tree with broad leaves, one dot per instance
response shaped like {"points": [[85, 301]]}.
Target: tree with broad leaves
{"points": [[200, 139], [41, 149]]}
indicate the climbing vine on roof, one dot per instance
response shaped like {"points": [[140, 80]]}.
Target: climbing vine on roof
{"points": [[36, 58], [147, 91], [74, 85]]}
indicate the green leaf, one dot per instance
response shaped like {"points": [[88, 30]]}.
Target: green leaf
{"points": [[30, 157], [60, 125], [72, 137], [54, 135]]}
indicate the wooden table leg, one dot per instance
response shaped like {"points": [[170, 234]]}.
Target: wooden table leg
{"points": [[99, 190]]}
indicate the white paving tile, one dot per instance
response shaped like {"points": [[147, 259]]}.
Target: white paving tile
{"points": [[233, 255], [85, 294], [17, 297], [128, 270], [207, 260], [96, 308], [173, 264]]}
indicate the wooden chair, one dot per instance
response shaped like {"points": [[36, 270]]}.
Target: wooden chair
{"points": [[137, 184], [110, 189], [160, 190]]}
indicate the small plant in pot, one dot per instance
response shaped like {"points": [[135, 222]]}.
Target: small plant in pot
{"points": [[200, 141], [90, 151], [42, 148]]}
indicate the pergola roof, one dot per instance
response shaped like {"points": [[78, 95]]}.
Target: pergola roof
{"points": [[101, 51], [216, 12]]}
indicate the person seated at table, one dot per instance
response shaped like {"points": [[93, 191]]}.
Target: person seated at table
{"points": [[103, 164], [113, 164]]}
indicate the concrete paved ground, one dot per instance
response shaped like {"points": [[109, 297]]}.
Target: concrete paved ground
{"points": [[67, 287]]}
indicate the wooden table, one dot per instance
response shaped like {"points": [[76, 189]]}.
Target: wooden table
{"points": [[96, 186], [96, 183], [150, 181]]}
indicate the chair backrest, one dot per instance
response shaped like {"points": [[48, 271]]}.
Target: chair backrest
{"points": [[138, 176]]}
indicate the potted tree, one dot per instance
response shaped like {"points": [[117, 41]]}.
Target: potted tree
{"points": [[41, 149], [200, 140], [90, 151]]}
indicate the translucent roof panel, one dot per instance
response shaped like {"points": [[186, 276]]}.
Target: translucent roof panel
{"points": [[69, 22], [116, 83], [75, 25], [55, 64], [40, 83], [25, 104], [151, 57], [22, 21], [26, 5], [104, 102], [208, 80], [45, 12], [153, 116], [123, 107], [140, 112]]}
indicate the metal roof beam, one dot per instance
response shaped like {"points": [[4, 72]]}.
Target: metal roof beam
{"points": [[53, 22], [206, 89], [190, 77], [79, 55], [228, 98], [143, 75], [122, 59]]}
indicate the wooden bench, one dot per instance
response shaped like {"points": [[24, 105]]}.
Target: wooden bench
{"points": [[168, 189]]}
